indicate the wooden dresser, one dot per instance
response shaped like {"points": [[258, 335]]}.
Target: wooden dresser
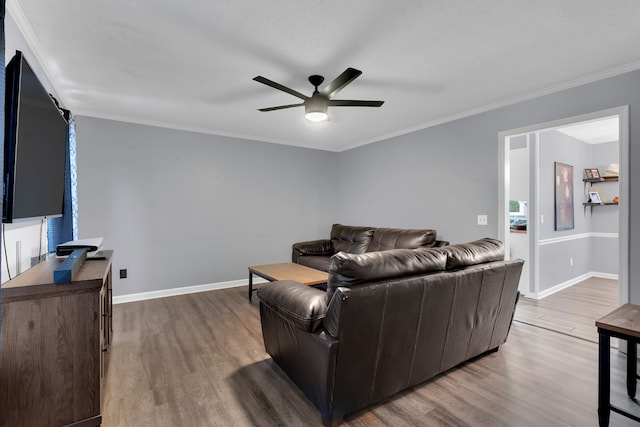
{"points": [[55, 346]]}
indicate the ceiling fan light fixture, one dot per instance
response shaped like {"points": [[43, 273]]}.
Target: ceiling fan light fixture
{"points": [[315, 109], [316, 116]]}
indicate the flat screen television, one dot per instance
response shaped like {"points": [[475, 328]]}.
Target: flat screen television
{"points": [[35, 147]]}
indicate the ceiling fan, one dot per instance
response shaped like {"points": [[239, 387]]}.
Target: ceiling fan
{"points": [[315, 106]]}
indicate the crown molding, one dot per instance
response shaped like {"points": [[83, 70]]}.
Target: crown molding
{"points": [[613, 72], [17, 14]]}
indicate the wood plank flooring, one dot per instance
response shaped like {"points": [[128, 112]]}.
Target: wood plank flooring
{"points": [[199, 360], [572, 311]]}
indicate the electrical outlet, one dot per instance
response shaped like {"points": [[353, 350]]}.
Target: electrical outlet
{"points": [[541, 219], [482, 220], [123, 273]]}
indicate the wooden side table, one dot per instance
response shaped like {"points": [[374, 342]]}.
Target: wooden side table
{"points": [[622, 323]]}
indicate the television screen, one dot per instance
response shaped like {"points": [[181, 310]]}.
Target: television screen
{"points": [[35, 147]]}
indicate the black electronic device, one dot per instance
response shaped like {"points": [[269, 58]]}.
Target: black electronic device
{"points": [[35, 147], [92, 245]]}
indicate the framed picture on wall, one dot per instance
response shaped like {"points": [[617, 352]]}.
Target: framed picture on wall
{"points": [[563, 183]]}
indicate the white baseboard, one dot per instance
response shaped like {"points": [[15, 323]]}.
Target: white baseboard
{"points": [[121, 299], [605, 275], [571, 282]]}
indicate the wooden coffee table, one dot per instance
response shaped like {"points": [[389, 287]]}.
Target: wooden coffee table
{"points": [[287, 271]]}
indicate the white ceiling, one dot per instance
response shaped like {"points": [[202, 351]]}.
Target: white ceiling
{"points": [[596, 131], [189, 64]]}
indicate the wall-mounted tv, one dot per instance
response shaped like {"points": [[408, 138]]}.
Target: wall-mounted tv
{"points": [[35, 147]]}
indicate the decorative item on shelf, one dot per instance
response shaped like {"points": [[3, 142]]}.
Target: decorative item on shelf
{"points": [[612, 172], [616, 199], [588, 174], [601, 190], [594, 197], [595, 173]]}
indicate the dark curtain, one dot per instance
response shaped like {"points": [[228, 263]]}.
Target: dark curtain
{"points": [[2, 77], [64, 228]]}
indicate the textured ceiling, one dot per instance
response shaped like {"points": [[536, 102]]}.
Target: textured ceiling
{"points": [[189, 64]]}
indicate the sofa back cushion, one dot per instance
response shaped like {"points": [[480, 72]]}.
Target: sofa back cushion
{"points": [[317, 262], [472, 253], [346, 238], [401, 238], [348, 269]]}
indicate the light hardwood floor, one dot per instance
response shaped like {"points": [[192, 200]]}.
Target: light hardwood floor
{"points": [[572, 311], [199, 360]]}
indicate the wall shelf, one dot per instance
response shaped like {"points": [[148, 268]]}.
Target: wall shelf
{"points": [[607, 179], [592, 181], [599, 204]]}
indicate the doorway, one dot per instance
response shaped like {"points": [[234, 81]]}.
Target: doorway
{"points": [[526, 211]]}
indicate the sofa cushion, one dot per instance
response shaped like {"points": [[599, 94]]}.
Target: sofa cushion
{"points": [[400, 238], [313, 247], [471, 253], [351, 269], [346, 238]]}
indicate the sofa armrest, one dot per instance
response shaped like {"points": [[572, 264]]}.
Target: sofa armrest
{"points": [[313, 247], [302, 306], [440, 243], [334, 311]]}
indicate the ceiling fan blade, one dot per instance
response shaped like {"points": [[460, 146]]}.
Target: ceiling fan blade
{"points": [[278, 86], [281, 107], [351, 103], [340, 82]]}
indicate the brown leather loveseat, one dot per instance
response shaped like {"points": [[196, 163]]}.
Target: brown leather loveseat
{"points": [[389, 320], [358, 240]]}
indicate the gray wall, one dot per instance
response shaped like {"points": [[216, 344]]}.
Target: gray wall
{"points": [[589, 254], [445, 175], [183, 208], [555, 258], [557, 147], [441, 177], [604, 250]]}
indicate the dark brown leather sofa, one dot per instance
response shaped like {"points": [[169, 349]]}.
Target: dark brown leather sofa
{"points": [[358, 240], [389, 320]]}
